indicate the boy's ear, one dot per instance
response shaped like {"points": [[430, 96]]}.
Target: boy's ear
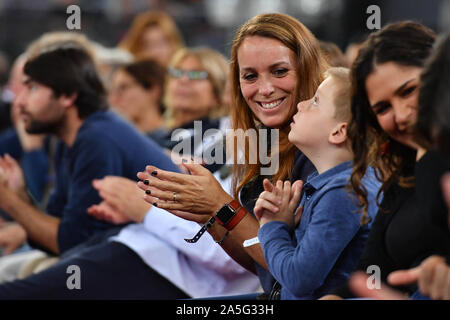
{"points": [[339, 134], [68, 100]]}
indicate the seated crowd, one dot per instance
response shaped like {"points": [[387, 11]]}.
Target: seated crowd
{"points": [[167, 172]]}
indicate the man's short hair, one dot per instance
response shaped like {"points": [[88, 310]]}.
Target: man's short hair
{"points": [[67, 70]]}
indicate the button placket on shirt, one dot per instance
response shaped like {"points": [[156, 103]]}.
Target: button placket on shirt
{"points": [[309, 190]]}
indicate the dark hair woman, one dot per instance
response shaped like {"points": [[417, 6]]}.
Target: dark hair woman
{"points": [[137, 90], [386, 81]]}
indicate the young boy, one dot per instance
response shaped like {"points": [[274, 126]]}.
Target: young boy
{"points": [[320, 252]]}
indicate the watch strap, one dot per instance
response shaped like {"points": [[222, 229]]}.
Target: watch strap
{"points": [[201, 231], [236, 219]]}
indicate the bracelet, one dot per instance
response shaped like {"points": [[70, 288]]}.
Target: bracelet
{"points": [[202, 230], [223, 239]]}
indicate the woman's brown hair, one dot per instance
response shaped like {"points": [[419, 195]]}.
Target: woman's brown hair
{"points": [[133, 39], [310, 68], [406, 44]]}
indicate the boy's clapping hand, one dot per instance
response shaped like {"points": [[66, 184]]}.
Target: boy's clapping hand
{"points": [[278, 203]]}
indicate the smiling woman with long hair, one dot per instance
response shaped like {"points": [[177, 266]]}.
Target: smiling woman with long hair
{"points": [[275, 63]]}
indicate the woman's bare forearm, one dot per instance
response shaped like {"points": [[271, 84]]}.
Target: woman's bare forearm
{"points": [[233, 244]]}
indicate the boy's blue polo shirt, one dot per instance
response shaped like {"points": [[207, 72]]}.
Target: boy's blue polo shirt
{"points": [[327, 243]]}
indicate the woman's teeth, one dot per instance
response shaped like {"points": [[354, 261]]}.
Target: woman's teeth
{"points": [[271, 105]]}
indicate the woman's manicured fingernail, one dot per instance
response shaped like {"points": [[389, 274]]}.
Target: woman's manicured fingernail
{"points": [[155, 204], [154, 173], [147, 191], [146, 182]]}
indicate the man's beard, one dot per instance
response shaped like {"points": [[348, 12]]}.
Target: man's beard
{"points": [[51, 127]]}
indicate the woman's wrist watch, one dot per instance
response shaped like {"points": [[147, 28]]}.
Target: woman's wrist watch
{"points": [[230, 214]]}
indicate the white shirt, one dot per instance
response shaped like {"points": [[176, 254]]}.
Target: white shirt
{"points": [[201, 269]]}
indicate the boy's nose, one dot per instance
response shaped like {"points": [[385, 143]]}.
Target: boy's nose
{"points": [[301, 104]]}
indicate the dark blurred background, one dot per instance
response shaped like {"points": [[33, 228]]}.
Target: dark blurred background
{"points": [[204, 22]]}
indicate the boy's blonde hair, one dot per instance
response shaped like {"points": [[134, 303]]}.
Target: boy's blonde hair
{"points": [[342, 98]]}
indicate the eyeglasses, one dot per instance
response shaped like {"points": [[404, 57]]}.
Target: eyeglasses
{"points": [[191, 75]]}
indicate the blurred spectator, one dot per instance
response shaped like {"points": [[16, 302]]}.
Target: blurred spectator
{"points": [[136, 93], [7, 88], [24, 147], [352, 50], [5, 95], [153, 35], [184, 99], [63, 96], [4, 69], [31, 149], [52, 40], [108, 60], [333, 54]]}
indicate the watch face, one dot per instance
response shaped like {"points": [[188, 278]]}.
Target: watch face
{"points": [[225, 214]]}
